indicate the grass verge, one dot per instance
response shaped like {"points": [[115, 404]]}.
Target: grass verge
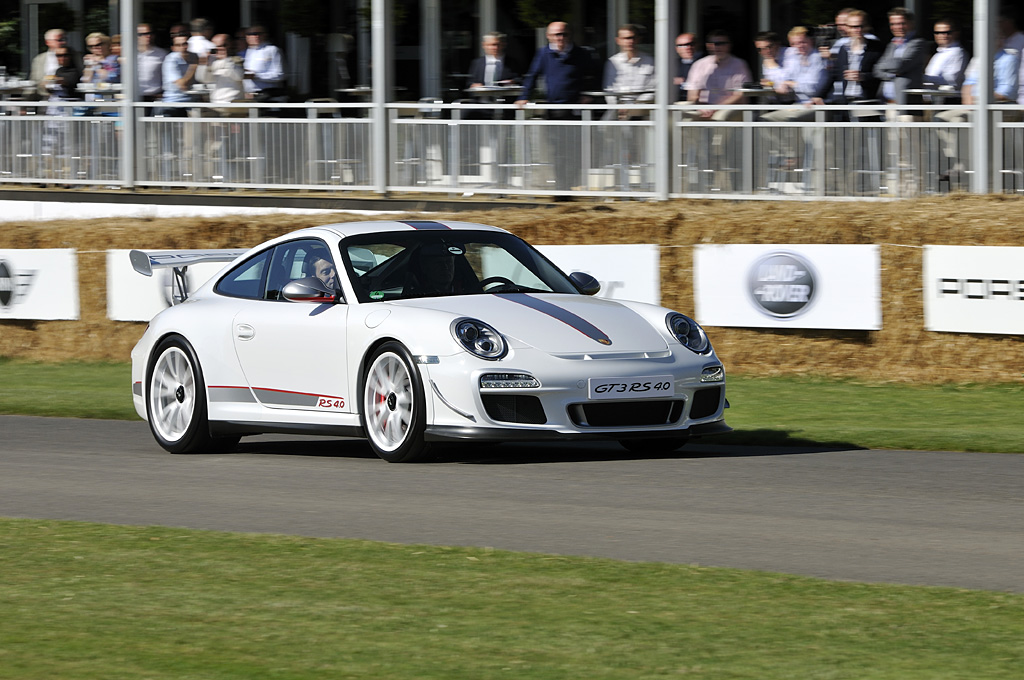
{"points": [[765, 411], [99, 602]]}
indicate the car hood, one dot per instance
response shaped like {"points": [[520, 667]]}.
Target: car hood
{"points": [[556, 323]]}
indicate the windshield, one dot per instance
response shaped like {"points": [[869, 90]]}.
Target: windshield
{"points": [[402, 265]]}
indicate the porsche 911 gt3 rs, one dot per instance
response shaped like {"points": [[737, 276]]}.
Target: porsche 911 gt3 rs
{"points": [[411, 333]]}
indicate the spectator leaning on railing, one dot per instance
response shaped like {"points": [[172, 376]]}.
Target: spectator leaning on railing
{"points": [[45, 63], [150, 64], [178, 75], [854, 63], [901, 66], [714, 79], [224, 71], [102, 66], [629, 72], [1005, 79], [947, 65], [804, 78], [1014, 41], [264, 68], [686, 55]]}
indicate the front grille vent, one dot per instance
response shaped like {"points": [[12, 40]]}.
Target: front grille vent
{"points": [[705, 402], [626, 413], [514, 408]]}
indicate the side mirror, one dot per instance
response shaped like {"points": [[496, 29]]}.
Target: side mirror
{"points": [[585, 283], [310, 289]]}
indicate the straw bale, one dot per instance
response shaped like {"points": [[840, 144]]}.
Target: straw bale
{"points": [[902, 351]]}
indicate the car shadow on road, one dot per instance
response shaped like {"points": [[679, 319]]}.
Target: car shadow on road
{"points": [[737, 444], [751, 444]]}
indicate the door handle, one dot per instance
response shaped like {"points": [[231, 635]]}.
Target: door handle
{"points": [[244, 331]]}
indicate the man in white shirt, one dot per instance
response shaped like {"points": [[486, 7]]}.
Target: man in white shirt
{"points": [[946, 67], [629, 71], [264, 67], [150, 62], [199, 42]]}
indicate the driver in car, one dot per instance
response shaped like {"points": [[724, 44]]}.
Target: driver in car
{"points": [[324, 270]]}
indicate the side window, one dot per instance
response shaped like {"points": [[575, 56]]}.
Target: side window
{"points": [[245, 280], [297, 260]]}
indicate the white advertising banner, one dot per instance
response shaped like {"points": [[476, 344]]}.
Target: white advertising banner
{"points": [[974, 289], [788, 286], [39, 284], [626, 272], [134, 297]]}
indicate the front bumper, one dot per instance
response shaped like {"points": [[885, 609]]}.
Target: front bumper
{"points": [[561, 407]]}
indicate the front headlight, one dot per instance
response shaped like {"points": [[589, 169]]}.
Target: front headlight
{"points": [[479, 338], [688, 332]]}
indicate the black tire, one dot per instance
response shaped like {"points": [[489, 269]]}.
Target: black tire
{"points": [[176, 400], [655, 446], [393, 406]]}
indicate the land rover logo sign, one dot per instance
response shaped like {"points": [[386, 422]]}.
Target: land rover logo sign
{"points": [[6, 285], [782, 284]]}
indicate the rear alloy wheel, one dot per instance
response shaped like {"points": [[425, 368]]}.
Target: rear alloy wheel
{"points": [[394, 408], [176, 400]]}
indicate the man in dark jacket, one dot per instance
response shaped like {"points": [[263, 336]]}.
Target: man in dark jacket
{"points": [[902, 65], [493, 68], [569, 70], [854, 62]]}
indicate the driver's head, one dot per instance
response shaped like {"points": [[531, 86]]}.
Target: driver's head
{"points": [[323, 269], [436, 267]]}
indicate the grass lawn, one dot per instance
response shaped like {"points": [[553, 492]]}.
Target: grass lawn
{"points": [[766, 411], [90, 601]]}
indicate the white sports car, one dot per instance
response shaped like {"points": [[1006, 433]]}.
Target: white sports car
{"points": [[409, 333]]}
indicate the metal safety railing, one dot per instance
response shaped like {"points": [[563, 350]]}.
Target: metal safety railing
{"points": [[844, 152]]}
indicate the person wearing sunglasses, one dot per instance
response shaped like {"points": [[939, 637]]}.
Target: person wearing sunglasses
{"points": [[568, 71], [947, 65], [686, 54], [102, 66], [150, 59], [714, 78], [264, 68], [901, 66], [854, 63]]}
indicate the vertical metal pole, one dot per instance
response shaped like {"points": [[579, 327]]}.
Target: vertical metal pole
{"points": [[985, 16], [380, 44], [747, 149], [664, 29], [430, 48], [129, 89], [764, 15]]}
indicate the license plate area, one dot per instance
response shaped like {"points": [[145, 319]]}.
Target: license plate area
{"points": [[648, 387]]}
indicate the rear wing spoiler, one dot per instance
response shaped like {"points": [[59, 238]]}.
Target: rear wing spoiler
{"points": [[145, 262]]}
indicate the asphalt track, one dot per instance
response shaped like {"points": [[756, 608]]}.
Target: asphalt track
{"points": [[927, 518]]}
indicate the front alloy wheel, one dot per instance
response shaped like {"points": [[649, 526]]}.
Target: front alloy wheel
{"points": [[393, 405]]}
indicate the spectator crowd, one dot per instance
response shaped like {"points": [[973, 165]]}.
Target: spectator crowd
{"points": [[201, 64]]}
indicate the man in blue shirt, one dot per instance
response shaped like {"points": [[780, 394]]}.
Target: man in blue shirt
{"points": [[1005, 75]]}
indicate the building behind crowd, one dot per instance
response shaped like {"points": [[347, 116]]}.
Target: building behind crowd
{"points": [[328, 45]]}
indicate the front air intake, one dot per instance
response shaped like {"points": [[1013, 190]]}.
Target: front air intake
{"points": [[626, 413], [514, 408]]}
